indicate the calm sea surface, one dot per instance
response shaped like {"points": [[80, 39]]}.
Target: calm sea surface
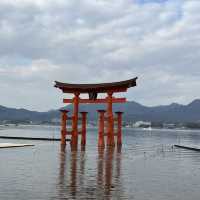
{"points": [[146, 168]]}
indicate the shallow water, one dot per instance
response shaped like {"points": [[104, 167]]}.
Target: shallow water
{"points": [[147, 167]]}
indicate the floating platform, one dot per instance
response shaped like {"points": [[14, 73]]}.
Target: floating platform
{"points": [[188, 147], [12, 145], [31, 138]]}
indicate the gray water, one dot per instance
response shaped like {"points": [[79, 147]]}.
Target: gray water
{"points": [[147, 167]]}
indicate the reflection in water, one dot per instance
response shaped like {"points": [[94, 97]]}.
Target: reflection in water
{"points": [[100, 162], [62, 175], [75, 179], [108, 170], [73, 175]]}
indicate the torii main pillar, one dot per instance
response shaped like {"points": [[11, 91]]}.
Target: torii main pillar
{"points": [[110, 125], [74, 138]]}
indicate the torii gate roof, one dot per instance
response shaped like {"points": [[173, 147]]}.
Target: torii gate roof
{"points": [[121, 86]]}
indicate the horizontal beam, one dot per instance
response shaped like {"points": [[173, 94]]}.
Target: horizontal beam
{"points": [[83, 91], [114, 100], [70, 132], [80, 118], [80, 132], [120, 86]]}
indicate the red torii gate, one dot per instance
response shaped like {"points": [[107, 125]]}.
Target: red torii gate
{"points": [[93, 90]]}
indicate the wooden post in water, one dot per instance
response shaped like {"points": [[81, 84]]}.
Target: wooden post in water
{"points": [[83, 132], [63, 126], [119, 128], [101, 142], [110, 122], [74, 138]]}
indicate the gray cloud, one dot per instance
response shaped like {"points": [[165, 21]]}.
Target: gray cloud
{"points": [[98, 41]]}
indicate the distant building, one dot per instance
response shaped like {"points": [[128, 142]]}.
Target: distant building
{"points": [[169, 126], [142, 124]]}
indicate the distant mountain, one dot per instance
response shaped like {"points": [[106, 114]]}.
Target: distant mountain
{"points": [[13, 114], [133, 111]]}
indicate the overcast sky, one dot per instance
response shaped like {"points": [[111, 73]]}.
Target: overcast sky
{"points": [[90, 41]]}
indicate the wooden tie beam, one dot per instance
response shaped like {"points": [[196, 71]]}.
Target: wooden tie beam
{"points": [[114, 100]]}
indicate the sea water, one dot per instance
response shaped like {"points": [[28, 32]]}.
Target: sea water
{"points": [[146, 167]]}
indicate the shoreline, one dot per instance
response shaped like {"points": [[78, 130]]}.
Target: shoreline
{"points": [[19, 126]]}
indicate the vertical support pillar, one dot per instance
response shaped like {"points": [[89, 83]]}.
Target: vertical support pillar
{"points": [[101, 128], [63, 126], [119, 128], [110, 121], [83, 132], [74, 139]]}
